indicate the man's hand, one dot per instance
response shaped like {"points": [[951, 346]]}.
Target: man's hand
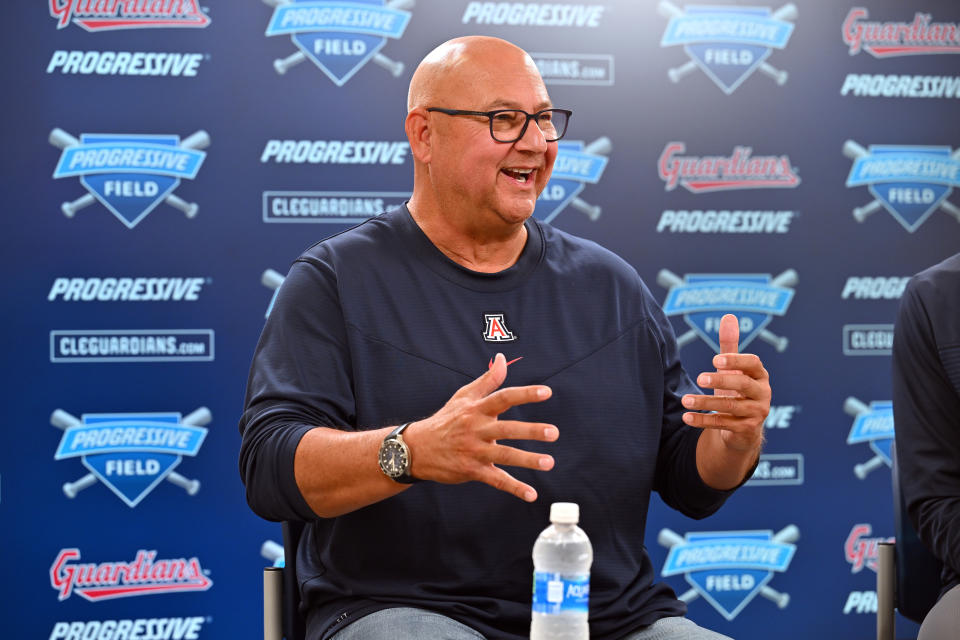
{"points": [[741, 397], [459, 442]]}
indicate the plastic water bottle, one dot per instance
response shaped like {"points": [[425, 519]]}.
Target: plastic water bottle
{"points": [[561, 577]]}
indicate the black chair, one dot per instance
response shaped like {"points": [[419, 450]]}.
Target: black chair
{"points": [[281, 593], [908, 575]]}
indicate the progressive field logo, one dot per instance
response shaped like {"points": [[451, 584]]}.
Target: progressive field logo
{"points": [[131, 453], [730, 568], [111, 15], [576, 166], [129, 174], [909, 181], [339, 37], [702, 299], [873, 425], [727, 43]]}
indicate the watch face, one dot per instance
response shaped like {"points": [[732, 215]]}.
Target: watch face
{"points": [[393, 458]]}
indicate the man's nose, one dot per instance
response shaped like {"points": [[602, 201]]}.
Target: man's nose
{"points": [[532, 139]]}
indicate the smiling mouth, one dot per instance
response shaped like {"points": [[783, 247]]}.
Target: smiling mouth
{"points": [[520, 175]]}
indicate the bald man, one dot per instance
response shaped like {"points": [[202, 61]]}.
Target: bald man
{"points": [[378, 412]]}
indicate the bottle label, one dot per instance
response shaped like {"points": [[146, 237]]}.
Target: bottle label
{"points": [[560, 593]]}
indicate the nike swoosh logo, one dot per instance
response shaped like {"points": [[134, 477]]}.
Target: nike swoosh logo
{"points": [[509, 362]]}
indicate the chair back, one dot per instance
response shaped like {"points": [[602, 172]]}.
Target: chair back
{"points": [[294, 627], [918, 571]]}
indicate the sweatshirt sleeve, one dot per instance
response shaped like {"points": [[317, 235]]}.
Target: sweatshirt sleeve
{"points": [[300, 378], [926, 408], [677, 479]]}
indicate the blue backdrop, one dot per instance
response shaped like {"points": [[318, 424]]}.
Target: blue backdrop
{"points": [[792, 164]]}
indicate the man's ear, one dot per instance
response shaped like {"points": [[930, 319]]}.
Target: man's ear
{"points": [[419, 135]]}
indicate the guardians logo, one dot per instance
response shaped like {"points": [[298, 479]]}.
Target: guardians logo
{"points": [[576, 165], [111, 15], [740, 170], [889, 39], [727, 43], [143, 576], [702, 299], [872, 424], [131, 453], [911, 182], [129, 174], [339, 37], [729, 568]]}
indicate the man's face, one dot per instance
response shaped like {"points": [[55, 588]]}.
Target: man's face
{"points": [[494, 182]]}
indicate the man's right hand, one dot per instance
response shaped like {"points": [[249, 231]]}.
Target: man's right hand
{"points": [[459, 442]]}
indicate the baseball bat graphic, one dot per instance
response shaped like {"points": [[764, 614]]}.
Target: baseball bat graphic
{"points": [[395, 67], [602, 146], [197, 140], [788, 534], [788, 278], [854, 407], [853, 151], [668, 279], [669, 10], [271, 550], [64, 420], [678, 73], [779, 76], [787, 12], [271, 279]]}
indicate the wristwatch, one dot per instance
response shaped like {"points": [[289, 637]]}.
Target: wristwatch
{"points": [[394, 456]]}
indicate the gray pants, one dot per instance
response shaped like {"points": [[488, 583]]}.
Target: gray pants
{"points": [[943, 621], [405, 623]]}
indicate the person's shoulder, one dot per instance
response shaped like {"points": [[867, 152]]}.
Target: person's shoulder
{"points": [[370, 237], [939, 284], [578, 254]]}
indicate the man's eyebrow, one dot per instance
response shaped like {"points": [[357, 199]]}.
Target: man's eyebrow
{"points": [[509, 104]]}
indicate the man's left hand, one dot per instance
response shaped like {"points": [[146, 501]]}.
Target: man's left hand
{"points": [[741, 388]]}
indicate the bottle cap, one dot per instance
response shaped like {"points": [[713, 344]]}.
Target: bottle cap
{"points": [[565, 512]]}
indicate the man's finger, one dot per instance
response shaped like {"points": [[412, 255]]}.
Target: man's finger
{"points": [[517, 430], [513, 457], [747, 363], [733, 383], [723, 421], [729, 334], [489, 382], [742, 407], [499, 401], [500, 479]]}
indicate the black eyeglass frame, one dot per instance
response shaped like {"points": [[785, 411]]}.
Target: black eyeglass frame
{"points": [[530, 116]]}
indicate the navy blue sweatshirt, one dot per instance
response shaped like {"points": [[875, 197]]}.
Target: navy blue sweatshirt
{"points": [[926, 409], [375, 327]]}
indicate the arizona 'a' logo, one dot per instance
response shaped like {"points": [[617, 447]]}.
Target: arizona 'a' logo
{"points": [[576, 165], [909, 181], [339, 37], [129, 174], [496, 328], [729, 568], [728, 43], [873, 424]]}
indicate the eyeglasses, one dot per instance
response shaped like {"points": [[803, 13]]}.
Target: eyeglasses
{"points": [[509, 125]]}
